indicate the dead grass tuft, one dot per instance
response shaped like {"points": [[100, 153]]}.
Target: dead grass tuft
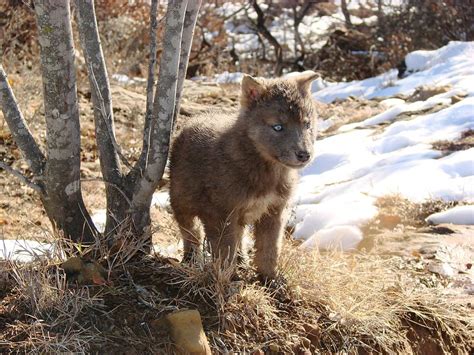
{"points": [[396, 210], [322, 303], [466, 141], [43, 314], [367, 303]]}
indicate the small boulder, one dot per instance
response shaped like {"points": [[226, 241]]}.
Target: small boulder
{"points": [[186, 330]]}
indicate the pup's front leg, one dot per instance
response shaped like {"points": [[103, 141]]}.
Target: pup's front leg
{"points": [[268, 240]]}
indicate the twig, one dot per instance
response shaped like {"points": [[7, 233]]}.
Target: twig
{"points": [[21, 177], [245, 7], [186, 43]]}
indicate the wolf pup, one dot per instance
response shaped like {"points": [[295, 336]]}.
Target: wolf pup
{"points": [[231, 171]]}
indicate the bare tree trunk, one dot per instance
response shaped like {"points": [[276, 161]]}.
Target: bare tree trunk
{"points": [[345, 12], [151, 80], [107, 145], [162, 118], [63, 199]]}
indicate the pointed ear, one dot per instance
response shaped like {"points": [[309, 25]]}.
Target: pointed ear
{"points": [[304, 81], [252, 90]]}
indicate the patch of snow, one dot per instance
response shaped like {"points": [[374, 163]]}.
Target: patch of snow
{"points": [[161, 199], [388, 103], [356, 166], [339, 237], [126, 80], [169, 251], [24, 250], [455, 215], [325, 125], [99, 217], [443, 269], [227, 78], [418, 60]]}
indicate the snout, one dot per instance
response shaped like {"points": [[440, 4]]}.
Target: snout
{"points": [[303, 156]]}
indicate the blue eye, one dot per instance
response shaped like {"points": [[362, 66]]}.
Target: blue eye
{"points": [[278, 127]]}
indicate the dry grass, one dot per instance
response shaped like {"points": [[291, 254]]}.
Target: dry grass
{"points": [[367, 303], [350, 110], [466, 141], [51, 312], [329, 303], [396, 210]]}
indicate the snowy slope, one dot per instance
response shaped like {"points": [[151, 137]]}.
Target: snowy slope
{"points": [[452, 64], [352, 168]]}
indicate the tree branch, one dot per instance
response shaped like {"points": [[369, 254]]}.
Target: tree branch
{"points": [[109, 151], [163, 104], [263, 30], [19, 128], [190, 18], [22, 178], [108, 122], [150, 84]]}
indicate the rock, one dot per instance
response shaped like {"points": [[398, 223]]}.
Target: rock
{"points": [[274, 347], [84, 272], [186, 330], [456, 98]]}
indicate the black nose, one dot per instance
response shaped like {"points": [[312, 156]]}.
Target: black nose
{"points": [[302, 156]]}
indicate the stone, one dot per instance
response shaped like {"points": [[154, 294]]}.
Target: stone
{"points": [[186, 331]]}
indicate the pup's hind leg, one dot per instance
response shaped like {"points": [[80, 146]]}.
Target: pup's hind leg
{"points": [[225, 237], [190, 233]]}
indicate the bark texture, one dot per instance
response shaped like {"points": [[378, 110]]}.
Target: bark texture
{"points": [[151, 79], [186, 43], [179, 25], [63, 199], [108, 147]]}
